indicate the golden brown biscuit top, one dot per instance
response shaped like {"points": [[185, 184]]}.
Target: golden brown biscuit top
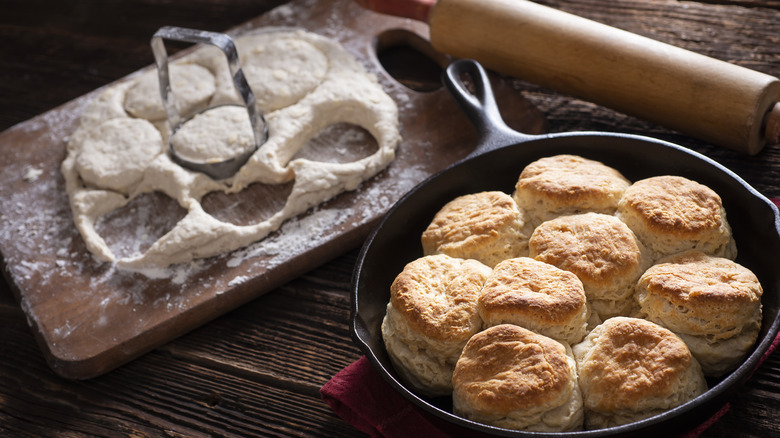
{"points": [[702, 283], [674, 204], [534, 289], [596, 247], [470, 220], [568, 179], [437, 295], [632, 359], [506, 368]]}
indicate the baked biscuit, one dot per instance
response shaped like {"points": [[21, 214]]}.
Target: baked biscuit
{"points": [[712, 303], [630, 369], [431, 314], [486, 226], [514, 378], [537, 296], [568, 184], [671, 214], [602, 251]]}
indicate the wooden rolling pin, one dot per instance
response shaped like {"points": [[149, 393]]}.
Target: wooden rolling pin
{"points": [[713, 100]]}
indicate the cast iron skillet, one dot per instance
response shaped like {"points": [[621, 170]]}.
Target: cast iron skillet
{"points": [[495, 165]]}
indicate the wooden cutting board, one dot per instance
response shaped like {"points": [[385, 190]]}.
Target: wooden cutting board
{"points": [[89, 317]]}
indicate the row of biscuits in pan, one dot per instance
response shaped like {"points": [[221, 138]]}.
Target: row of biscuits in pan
{"points": [[580, 301]]}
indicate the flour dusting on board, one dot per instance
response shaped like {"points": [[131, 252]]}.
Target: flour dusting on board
{"points": [[294, 238]]}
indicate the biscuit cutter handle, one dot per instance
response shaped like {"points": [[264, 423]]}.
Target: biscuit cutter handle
{"points": [[706, 98], [220, 169]]}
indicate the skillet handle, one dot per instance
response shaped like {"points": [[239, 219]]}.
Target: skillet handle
{"points": [[480, 107]]}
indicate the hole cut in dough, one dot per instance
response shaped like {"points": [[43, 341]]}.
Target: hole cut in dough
{"points": [[339, 143], [130, 230], [256, 203]]}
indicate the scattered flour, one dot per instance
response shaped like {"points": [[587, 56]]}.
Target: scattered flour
{"points": [[238, 280]]}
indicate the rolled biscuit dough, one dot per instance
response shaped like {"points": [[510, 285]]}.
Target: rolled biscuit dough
{"points": [[305, 83]]}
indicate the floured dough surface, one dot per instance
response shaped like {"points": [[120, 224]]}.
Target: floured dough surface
{"points": [[303, 83], [270, 68]]}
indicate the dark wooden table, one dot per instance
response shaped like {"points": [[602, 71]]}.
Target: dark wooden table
{"points": [[257, 371]]}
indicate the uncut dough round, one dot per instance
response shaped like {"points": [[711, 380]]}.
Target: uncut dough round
{"points": [[537, 296], [514, 378], [630, 369], [485, 226], [342, 93], [215, 135], [191, 88], [602, 251], [672, 214], [712, 303], [563, 185], [116, 153], [431, 314]]}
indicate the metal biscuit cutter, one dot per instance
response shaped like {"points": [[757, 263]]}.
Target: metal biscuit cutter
{"points": [[217, 169]]}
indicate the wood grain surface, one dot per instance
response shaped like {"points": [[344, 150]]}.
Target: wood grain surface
{"points": [[257, 370]]}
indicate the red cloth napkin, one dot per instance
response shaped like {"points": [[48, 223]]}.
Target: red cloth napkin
{"points": [[360, 396]]}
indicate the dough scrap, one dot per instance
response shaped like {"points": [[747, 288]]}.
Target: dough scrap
{"points": [[304, 83]]}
